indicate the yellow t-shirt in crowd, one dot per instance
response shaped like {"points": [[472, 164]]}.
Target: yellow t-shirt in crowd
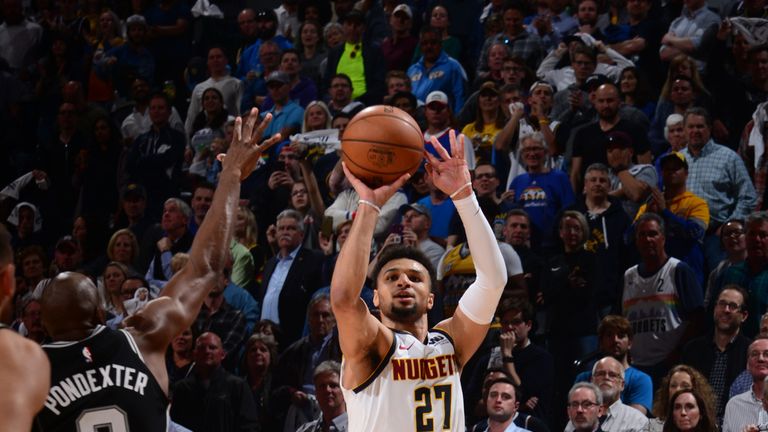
{"points": [[351, 64]]}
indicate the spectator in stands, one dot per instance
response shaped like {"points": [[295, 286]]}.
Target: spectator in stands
{"points": [[252, 60], [229, 87], [582, 60], [615, 339], [255, 81], [752, 272], [155, 158], [642, 46], [733, 240], [33, 262], [718, 175], [608, 374], [290, 278], [517, 233], [585, 402], [745, 409], [31, 325], [666, 319], [690, 412], [20, 38], [361, 61], [132, 213], [685, 214], [226, 320], [340, 92], [679, 378], [25, 224], [210, 382], [591, 142], [112, 279], [721, 355], [179, 360], [690, 33], [106, 36], [541, 192], [248, 32], [522, 44], [439, 19], [630, 182], [287, 115], [635, 90], [682, 95], [333, 416], [399, 47], [170, 236], [501, 406], [435, 70], [259, 363], [485, 182], [488, 121], [130, 60], [294, 374], [302, 89], [139, 121], [316, 117], [312, 52], [207, 126]]}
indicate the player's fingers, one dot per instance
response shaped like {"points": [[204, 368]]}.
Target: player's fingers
{"points": [[460, 143], [452, 140], [259, 133], [440, 149], [250, 122], [431, 159], [274, 139], [238, 132], [351, 177], [401, 181]]}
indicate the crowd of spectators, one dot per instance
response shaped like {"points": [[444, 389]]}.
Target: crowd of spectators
{"points": [[617, 149]]}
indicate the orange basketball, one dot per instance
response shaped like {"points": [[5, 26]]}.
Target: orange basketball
{"points": [[381, 143]]}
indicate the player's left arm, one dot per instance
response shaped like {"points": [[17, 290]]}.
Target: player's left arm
{"points": [[477, 306], [25, 361], [179, 303]]}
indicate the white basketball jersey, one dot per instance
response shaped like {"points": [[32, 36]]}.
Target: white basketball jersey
{"points": [[416, 388]]}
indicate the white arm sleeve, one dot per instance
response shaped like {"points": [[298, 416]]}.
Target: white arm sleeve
{"points": [[479, 301]]}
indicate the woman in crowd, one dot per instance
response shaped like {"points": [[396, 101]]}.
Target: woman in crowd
{"points": [[178, 358], [690, 412], [316, 117], [112, 282], [25, 224], [31, 263], [635, 91], [333, 35], [439, 19], [247, 234], [311, 50], [105, 37], [208, 125], [680, 377], [489, 121], [123, 247], [258, 365]]}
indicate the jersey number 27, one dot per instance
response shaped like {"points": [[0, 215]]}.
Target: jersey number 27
{"points": [[423, 396]]}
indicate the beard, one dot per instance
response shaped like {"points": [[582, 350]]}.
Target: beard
{"points": [[610, 395], [406, 313]]}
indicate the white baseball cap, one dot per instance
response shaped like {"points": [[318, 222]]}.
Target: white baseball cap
{"points": [[437, 96], [403, 8]]}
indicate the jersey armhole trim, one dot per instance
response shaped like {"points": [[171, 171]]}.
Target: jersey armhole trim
{"points": [[379, 368], [444, 333], [132, 343]]}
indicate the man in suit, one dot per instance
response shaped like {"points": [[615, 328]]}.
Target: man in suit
{"points": [[290, 277]]}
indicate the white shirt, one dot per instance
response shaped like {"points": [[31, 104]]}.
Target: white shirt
{"points": [[18, 43], [138, 123], [230, 87]]}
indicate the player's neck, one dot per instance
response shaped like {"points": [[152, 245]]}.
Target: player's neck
{"points": [[418, 328]]}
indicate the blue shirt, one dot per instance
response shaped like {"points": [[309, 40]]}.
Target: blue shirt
{"points": [[249, 59], [240, 299], [542, 196], [270, 310], [445, 75], [290, 115], [441, 216]]}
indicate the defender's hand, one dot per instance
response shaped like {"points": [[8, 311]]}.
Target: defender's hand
{"points": [[245, 150]]}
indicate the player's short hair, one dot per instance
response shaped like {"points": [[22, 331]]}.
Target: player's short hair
{"points": [[6, 251], [328, 366], [397, 252]]}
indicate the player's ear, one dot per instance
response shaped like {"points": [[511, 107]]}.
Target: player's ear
{"points": [[430, 301], [376, 298]]}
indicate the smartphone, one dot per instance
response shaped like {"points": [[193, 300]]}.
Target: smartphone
{"points": [[398, 230], [280, 165], [326, 228]]}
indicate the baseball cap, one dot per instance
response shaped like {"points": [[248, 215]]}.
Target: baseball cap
{"points": [[594, 81], [133, 190], [403, 8], [488, 86], [135, 19], [674, 156], [417, 207], [541, 84], [619, 139], [67, 244], [278, 76], [437, 96]]}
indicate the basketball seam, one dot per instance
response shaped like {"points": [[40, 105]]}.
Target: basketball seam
{"points": [[349, 159], [369, 141], [418, 131]]}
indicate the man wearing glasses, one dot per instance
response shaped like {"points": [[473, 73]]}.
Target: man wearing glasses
{"points": [[584, 407], [721, 355], [745, 408], [608, 376]]}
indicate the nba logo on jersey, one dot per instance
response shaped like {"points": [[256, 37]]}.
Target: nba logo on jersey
{"points": [[87, 355]]}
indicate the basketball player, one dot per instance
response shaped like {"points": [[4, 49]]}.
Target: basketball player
{"points": [[116, 380], [397, 374], [24, 368]]}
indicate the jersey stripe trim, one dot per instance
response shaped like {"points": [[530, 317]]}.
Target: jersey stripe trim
{"points": [[379, 368], [444, 333], [132, 344], [63, 344]]}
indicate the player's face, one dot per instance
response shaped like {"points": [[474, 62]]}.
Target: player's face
{"points": [[403, 290], [328, 391], [615, 343], [501, 403]]}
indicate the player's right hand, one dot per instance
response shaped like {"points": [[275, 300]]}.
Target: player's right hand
{"points": [[378, 196], [245, 150]]}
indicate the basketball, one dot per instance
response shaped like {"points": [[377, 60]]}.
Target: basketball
{"points": [[380, 144]]}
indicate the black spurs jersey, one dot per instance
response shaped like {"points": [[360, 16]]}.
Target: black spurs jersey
{"points": [[101, 384]]}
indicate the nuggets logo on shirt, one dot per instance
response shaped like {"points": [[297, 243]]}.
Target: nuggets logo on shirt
{"points": [[534, 196]]}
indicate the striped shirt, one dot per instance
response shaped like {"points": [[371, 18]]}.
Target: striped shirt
{"points": [[742, 410]]}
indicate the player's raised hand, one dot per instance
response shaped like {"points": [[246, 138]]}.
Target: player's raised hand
{"points": [[377, 196], [450, 172], [244, 151]]}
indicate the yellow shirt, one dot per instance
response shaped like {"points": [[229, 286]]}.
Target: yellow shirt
{"points": [[483, 138], [351, 64], [687, 206]]}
